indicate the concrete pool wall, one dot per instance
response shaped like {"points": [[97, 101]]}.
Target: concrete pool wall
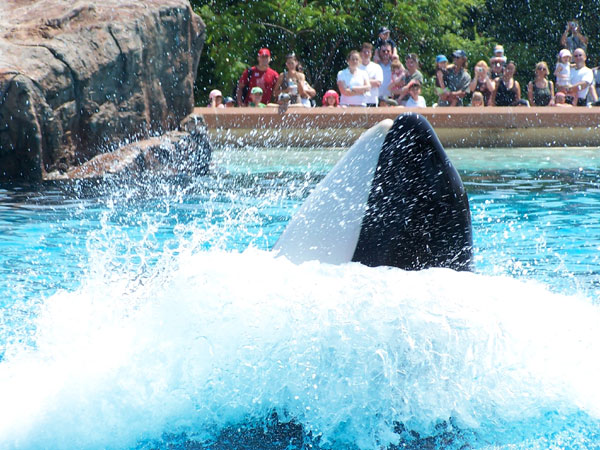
{"points": [[456, 127]]}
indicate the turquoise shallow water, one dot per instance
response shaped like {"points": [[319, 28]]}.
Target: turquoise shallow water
{"points": [[150, 314]]}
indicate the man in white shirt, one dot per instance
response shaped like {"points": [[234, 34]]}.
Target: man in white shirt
{"points": [[385, 61], [581, 78], [374, 70]]}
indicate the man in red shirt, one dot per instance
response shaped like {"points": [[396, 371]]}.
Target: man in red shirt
{"points": [[260, 75]]}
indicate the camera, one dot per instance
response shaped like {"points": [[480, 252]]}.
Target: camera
{"points": [[479, 69]]}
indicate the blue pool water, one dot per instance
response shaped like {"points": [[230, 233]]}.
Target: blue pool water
{"points": [[149, 314]]}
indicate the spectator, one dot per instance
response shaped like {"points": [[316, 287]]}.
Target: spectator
{"points": [[415, 100], [261, 76], [382, 38], [562, 72], [290, 81], [229, 102], [331, 99], [481, 81], [458, 81], [560, 99], [256, 96], [572, 38], [540, 90], [412, 76], [374, 70], [441, 73], [477, 99], [216, 99], [581, 78], [507, 91], [309, 92], [385, 61], [353, 82]]}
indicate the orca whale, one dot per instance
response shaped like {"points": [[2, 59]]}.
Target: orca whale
{"points": [[394, 199]]}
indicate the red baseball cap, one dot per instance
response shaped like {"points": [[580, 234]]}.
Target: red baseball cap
{"points": [[264, 52]]}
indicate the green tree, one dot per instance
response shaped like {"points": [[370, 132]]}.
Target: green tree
{"points": [[321, 33]]}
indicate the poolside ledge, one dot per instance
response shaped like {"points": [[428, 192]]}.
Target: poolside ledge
{"points": [[456, 127]]}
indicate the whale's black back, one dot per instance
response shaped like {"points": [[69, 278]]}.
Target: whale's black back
{"points": [[418, 213]]}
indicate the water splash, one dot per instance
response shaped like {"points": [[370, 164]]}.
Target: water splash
{"points": [[207, 340]]}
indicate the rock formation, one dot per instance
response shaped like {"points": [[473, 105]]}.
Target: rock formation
{"points": [[186, 151], [78, 78]]}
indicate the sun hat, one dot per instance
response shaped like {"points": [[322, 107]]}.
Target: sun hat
{"points": [[264, 52], [215, 93], [384, 30], [331, 93], [256, 90], [459, 54], [228, 100], [440, 58], [564, 52]]}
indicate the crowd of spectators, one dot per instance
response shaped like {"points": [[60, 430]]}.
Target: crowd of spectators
{"points": [[376, 76]]}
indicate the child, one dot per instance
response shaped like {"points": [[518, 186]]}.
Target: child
{"points": [[477, 99], [256, 97], [384, 37], [563, 70], [216, 99], [561, 100], [415, 100], [331, 99], [441, 70], [398, 74]]}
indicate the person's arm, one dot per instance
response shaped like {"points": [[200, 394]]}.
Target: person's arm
{"points": [[406, 88], [579, 86], [309, 91], [396, 84], [376, 57], [240, 87], [593, 93], [464, 88], [551, 86], [563, 38], [473, 84], [277, 88], [492, 101], [489, 83], [366, 87], [580, 36], [518, 93], [378, 80], [440, 78], [530, 93], [348, 92]]}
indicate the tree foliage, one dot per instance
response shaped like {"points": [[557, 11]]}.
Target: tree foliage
{"points": [[322, 32]]}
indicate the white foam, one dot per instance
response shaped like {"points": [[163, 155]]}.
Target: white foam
{"points": [[217, 338]]}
